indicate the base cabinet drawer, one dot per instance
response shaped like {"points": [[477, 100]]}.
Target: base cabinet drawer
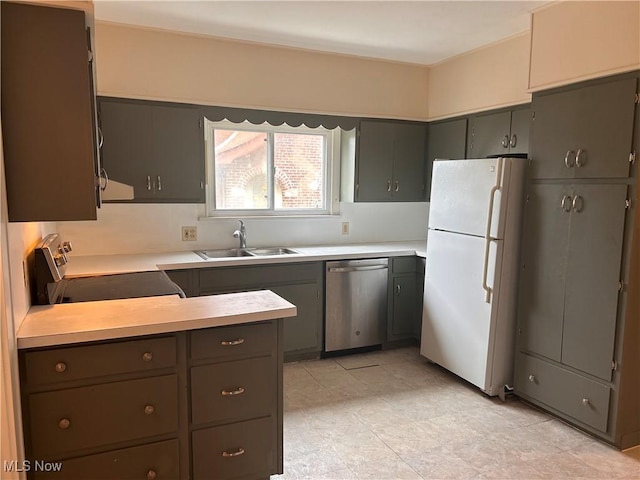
{"points": [[239, 450], [578, 397], [158, 461], [233, 390], [234, 341], [69, 420]]}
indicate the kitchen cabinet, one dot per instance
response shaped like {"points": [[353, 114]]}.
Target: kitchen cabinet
{"points": [[200, 404], [156, 148], [573, 354], [300, 283], [406, 279], [445, 140], [48, 114], [588, 131], [390, 162], [499, 133]]}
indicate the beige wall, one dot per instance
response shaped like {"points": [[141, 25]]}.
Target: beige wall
{"points": [[489, 77], [573, 41], [157, 64]]}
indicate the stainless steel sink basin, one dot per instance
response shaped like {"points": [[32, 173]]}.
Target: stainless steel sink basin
{"points": [[225, 253], [272, 251], [244, 252]]}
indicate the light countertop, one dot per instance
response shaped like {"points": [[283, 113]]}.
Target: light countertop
{"points": [[91, 321], [111, 264]]}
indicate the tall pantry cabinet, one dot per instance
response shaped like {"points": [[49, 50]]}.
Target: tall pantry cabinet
{"points": [[578, 333]]}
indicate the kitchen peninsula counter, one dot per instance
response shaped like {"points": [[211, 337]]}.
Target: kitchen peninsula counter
{"points": [[124, 263], [62, 324]]}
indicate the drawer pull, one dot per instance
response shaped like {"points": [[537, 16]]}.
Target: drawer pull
{"points": [[64, 423], [230, 343], [147, 356], [237, 453], [151, 475], [532, 378], [230, 393], [586, 402], [61, 367], [148, 409]]}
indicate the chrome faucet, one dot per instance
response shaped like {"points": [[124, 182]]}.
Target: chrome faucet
{"points": [[241, 234]]}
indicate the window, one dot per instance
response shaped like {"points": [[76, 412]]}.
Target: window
{"points": [[265, 170]]}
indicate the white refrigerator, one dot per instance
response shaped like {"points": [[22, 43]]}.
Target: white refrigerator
{"points": [[468, 318]]}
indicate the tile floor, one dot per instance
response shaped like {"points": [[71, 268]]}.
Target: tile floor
{"points": [[392, 415]]}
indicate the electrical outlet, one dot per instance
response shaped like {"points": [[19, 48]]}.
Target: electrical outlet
{"points": [[345, 228], [189, 234]]}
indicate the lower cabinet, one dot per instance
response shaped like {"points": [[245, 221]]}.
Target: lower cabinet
{"points": [[406, 279], [204, 404]]}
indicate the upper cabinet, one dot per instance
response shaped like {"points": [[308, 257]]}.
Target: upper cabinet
{"points": [[499, 133], [390, 162], [446, 140], [48, 114], [154, 152], [587, 131]]}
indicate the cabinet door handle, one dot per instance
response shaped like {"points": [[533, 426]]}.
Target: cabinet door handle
{"points": [[397, 189], [388, 185], [100, 138], [231, 393], [237, 453], [586, 402], [532, 378], [514, 141], [505, 141], [148, 182], [149, 409], [61, 367], [581, 158], [159, 183], [398, 289], [567, 159], [147, 356], [230, 343], [64, 423], [105, 177], [578, 204], [566, 203], [152, 475]]}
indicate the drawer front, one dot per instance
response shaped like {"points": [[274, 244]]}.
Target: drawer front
{"points": [[159, 461], [88, 362], [234, 341], [578, 397], [216, 279], [237, 450], [234, 390], [403, 264], [68, 420]]}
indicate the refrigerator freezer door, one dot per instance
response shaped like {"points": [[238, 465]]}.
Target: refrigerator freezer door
{"points": [[458, 327], [461, 193]]}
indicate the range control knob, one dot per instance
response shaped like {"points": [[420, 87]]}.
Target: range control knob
{"points": [[67, 247], [60, 257]]}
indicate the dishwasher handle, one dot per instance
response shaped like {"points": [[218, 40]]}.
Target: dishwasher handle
{"points": [[357, 269]]}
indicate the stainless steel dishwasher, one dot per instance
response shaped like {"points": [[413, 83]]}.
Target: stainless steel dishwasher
{"points": [[356, 303]]}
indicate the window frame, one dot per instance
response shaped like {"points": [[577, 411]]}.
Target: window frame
{"points": [[331, 170]]}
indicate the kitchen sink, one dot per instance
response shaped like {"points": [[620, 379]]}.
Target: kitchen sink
{"points": [[227, 253], [272, 251], [244, 252]]}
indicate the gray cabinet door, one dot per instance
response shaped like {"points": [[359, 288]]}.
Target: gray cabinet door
{"points": [[520, 128], [178, 156], [408, 163], [593, 274], [489, 135], [445, 140], [403, 300], [304, 331], [127, 146], [583, 133], [47, 114], [375, 162], [544, 259]]}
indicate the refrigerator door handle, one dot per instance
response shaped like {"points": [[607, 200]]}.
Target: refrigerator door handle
{"points": [[487, 237]]}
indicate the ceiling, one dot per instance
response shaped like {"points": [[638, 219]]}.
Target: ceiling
{"points": [[422, 32]]}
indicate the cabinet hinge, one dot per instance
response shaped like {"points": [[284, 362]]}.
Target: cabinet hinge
{"points": [[614, 365], [632, 158], [627, 204], [637, 99], [533, 115], [200, 123], [318, 294], [620, 286], [89, 56]]}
